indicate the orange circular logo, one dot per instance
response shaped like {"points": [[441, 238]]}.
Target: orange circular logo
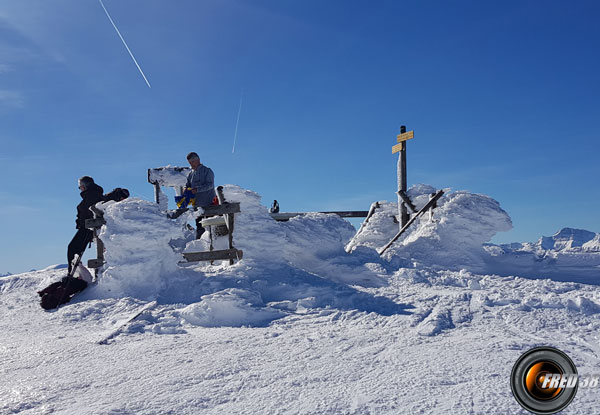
{"points": [[544, 380]]}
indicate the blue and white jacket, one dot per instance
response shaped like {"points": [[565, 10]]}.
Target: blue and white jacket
{"points": [[203, 181]]}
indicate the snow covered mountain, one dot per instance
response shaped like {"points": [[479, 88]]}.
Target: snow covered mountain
{"points": [[572, 240], [311, 321], [568, 255]]}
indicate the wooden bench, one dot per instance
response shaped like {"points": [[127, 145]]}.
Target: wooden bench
{"points": [[218, 215]]}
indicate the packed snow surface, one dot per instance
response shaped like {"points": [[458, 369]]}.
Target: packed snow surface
{"points": [[311, 321]]}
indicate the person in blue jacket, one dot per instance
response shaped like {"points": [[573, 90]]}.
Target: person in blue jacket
{"points": [[201, 181]]}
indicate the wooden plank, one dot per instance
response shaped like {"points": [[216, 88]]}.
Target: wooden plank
{"points": [[95, 263], [374, 206], [94, 223], [283, 216], [211, 210], [406, 136], [225, 208], [213, 221], [407, 200], [398, 147], [230, 228], [424, 209], [174, 214], [213, 255], [349, 213], [123, 326]]}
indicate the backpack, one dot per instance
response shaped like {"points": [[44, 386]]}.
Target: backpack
{"points": [[61, 292], [116, 194]]}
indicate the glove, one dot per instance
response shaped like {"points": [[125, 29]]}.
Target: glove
{"points": [[184, 200]]}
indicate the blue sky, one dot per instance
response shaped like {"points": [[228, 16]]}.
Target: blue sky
{"points": [[504, 98]]}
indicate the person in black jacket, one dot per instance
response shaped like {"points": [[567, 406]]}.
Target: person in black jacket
{"points": [[91, 194]]}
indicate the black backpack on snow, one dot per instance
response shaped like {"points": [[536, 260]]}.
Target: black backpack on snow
{"points": [[61, 292], [116, 194]]}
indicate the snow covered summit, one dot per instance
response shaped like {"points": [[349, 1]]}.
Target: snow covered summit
{"points": [[300, 325], [571, 239]]}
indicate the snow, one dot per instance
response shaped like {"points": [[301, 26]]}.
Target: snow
{"points": [[300, 325], [232, 307], [169, 176], [463, 222]]}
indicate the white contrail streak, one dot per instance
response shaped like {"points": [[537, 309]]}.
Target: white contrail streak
{"points": [[125, 43], [237, 122]]}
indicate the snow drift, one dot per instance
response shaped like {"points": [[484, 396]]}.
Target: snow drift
{"points": [[283, 270], [303, 263]]}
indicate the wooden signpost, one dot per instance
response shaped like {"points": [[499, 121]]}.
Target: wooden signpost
{"points": [[404, 201], [402, 182]]}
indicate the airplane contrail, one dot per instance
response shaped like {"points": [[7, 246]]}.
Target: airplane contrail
{"points": [[237, 122], [125, 43]]}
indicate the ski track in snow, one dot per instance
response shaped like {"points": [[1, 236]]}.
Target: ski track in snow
{"points": [[328, 334], [452, 354]]}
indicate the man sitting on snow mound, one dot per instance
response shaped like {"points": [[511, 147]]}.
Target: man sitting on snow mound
{"points": [[201, 181]]}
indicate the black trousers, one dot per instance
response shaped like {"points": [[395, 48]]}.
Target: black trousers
{"points": [[78, 244]]}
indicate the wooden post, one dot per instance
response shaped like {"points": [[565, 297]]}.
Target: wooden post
{"points": [[433, 206], [228, 220], [220, 195], [95, 224], [157, 192], [230, 226], [99, 252], [402, 182]]}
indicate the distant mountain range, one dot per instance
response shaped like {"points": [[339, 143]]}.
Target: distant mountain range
{"points": [[568, 255], [571, 239], [5, 274], [565, 240]]}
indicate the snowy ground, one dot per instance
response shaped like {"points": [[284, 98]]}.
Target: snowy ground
{"points": [[300, 325]]}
